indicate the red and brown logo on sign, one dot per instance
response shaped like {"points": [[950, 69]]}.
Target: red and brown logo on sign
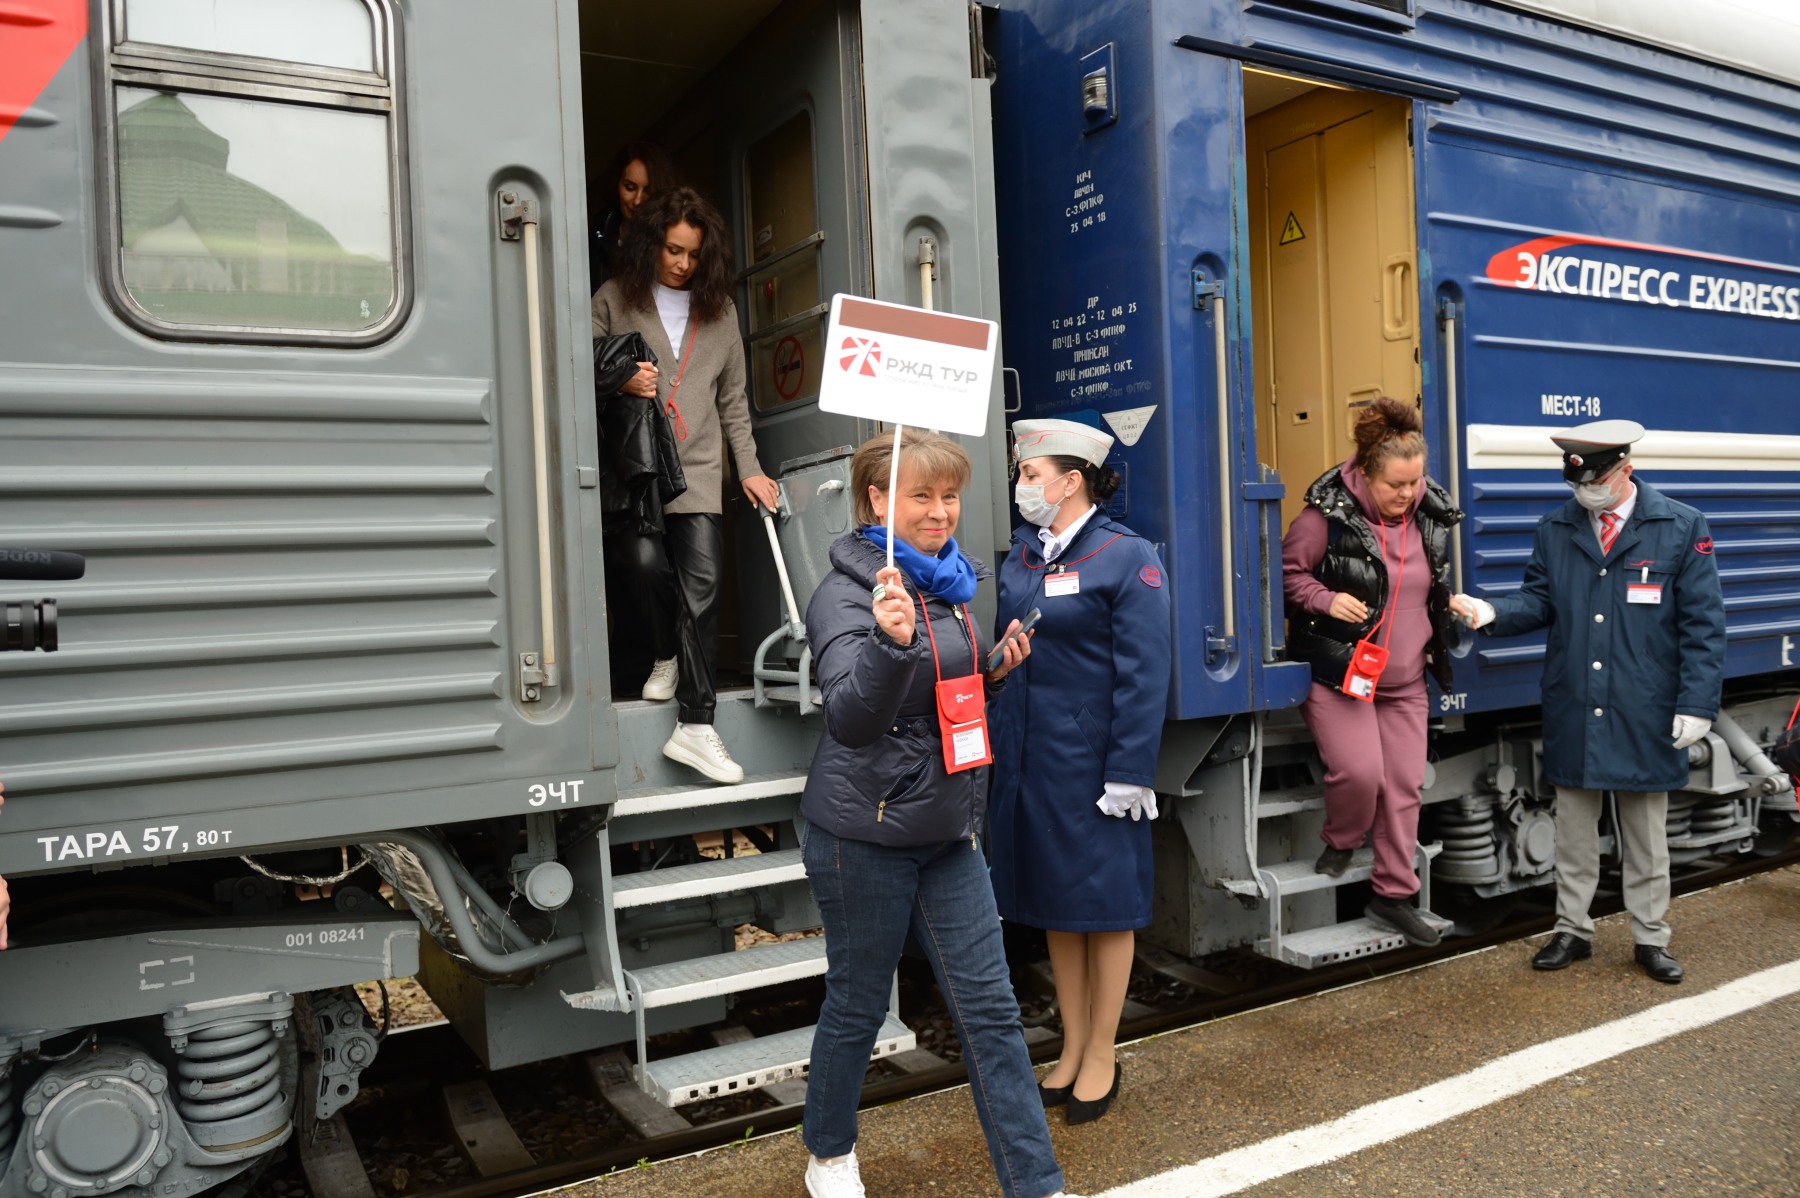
{"points": [[861, 355]]}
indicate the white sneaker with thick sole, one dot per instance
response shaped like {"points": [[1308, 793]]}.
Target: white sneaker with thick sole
{"points": [[838, 1178], [699, 746], [660, 686]]}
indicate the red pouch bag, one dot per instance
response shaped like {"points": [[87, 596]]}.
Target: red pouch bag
{"points": [[961, 705], [1366, 663], [962, 721]]}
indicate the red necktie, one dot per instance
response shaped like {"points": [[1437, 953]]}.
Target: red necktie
{"points": [[1609, 528]]}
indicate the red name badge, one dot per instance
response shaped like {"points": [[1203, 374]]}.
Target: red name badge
{"points": [[1366, 663], [962, 721]]}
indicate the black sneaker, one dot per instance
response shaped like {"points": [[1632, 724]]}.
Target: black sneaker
{"points": [[1403, 918], [1333, 862]]}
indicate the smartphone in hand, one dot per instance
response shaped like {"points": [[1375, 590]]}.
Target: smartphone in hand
{"points": [[1031, 618]]}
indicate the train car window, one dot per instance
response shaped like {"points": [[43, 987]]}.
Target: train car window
{"points": [[252, 178], [782, 301], [329, 33]]}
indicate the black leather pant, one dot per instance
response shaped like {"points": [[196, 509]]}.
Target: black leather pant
{"points": [[669, 585]]}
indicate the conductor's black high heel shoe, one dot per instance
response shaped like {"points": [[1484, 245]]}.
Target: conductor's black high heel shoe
{"points": [[1081, 1111], [1054, 1095]]}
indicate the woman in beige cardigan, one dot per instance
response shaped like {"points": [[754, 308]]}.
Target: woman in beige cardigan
{"points": [[672, 283]]}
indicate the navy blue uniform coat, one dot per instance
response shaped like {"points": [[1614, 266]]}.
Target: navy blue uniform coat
{"points": [[1086, 708], [1606, 725]]}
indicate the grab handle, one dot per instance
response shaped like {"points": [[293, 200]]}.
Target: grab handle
{"points": [[1222, 641], [1453, 418], [519, 221]]}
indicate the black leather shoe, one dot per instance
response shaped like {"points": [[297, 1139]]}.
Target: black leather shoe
{"points": [[1403, 918], [1659, 964], [1081, 1111], [1332, 862], [1054, 1095], [1564, 949]]}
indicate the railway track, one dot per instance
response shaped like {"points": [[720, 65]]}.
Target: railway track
{"points": [[326, 1162]]}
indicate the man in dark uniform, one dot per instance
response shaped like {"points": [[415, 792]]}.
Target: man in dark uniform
{"points": [[1624, 579]]}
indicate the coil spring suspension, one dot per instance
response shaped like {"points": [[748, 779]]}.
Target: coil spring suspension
{"points": [[1467, 832], [1718, 815], [8, 1115], [230, 1072]]}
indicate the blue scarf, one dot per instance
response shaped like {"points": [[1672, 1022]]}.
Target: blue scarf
{"points": [[950, 575]]}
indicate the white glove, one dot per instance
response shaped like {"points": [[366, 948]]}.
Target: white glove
{"points": [[1484, 611], [1689, 730], [1122, 798]]}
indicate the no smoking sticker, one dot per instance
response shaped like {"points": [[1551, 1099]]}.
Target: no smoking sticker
{"points": [[790, 367]]}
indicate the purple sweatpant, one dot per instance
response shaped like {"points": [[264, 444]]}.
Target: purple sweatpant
{"points": [[1374, 756]]}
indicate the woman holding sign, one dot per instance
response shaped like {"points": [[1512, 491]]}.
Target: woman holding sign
{"points": [[895, 804], [1365, 568], [1075, 743]]}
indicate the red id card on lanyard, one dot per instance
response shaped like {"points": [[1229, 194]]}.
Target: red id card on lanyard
{"points": [[961, 706], [1368, 659]]}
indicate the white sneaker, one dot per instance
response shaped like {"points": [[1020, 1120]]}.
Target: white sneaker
{"points": [[660, 686], [699, 746], [838, 1178]]}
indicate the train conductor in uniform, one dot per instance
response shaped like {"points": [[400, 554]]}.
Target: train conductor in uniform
{"points": [[1624, 579]]}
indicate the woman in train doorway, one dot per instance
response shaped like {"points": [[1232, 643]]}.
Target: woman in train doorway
{"points": [[894, 805], [1075, 743], [1365, 569], [673, 285], [638, 171]]}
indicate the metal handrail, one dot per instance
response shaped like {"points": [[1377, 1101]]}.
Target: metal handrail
{"points": [[780, 256], [1226, 524], [540, 450], [1454, 448], [786, 323]]}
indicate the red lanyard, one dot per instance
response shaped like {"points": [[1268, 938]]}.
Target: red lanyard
{"points": [[1399, 573], [968, 627], [673, 411]]}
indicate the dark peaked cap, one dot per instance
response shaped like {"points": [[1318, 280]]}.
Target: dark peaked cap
{"points": [[1590, 450]]}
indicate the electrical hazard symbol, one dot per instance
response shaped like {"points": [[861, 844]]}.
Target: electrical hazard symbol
{"points": [[1292, 232]]}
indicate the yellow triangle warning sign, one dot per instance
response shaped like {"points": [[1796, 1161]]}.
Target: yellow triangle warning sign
{"points": [[1291, 232]]}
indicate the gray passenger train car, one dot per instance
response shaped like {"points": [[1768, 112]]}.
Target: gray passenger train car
{"points": [[295, 351]]}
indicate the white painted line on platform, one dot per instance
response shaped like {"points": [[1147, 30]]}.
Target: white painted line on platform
{"points": [[1391, 1118]]}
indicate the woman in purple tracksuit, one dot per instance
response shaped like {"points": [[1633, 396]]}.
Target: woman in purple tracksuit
{"points": [[1367, 562]]}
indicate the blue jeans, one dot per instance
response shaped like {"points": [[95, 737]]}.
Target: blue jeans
{"points": [[870, 896]]}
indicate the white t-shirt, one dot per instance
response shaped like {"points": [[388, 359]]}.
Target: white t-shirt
{"points": [[672, 306]]}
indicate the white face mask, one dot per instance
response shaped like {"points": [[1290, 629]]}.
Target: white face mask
{"points": [[1030, 499], [1595, 497]]}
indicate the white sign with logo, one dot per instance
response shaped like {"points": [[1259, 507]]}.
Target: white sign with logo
{"points": [[905, 365]]}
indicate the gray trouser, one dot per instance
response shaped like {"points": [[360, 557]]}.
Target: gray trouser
{"points": [[1643, 844]]}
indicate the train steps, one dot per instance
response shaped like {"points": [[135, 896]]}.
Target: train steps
{"points": [[751, 1064], [663, 800], [1328, 944]]}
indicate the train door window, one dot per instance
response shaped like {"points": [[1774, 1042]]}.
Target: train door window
{"points": [[253, 180], [1332, 249], [782, 290]]}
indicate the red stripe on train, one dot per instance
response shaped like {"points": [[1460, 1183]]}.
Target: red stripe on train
{"points": [[36, 38]]}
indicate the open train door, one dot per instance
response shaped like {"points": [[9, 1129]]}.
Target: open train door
{"points": [[1127, 300], [845, 135], [304, 375]]}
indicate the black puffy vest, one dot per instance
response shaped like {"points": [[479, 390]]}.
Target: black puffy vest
{"points": [[1353, 564]]}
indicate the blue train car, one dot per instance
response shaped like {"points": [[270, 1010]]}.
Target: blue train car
{"points": [[1228, 226]]}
